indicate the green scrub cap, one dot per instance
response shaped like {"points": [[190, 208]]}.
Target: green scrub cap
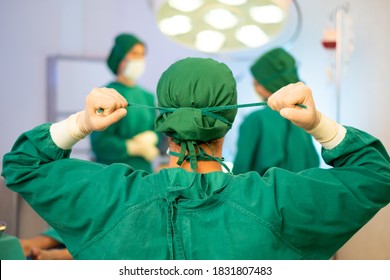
{"points": [[275, 69], [123, 43], [188, 89]]}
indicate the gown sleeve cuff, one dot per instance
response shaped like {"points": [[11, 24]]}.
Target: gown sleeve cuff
{"points": [[66, 133], [328, 132]]}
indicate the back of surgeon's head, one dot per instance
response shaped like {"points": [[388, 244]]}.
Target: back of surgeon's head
{"points": [[189, 85]]}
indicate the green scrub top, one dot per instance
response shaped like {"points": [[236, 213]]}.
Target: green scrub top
{"points": [[109, 146], [268, 140], [116, 212]]}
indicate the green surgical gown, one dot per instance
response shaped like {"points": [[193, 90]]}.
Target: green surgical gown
{"points": [[116, 212], [109, 146], [50, 232], [268, 140]]}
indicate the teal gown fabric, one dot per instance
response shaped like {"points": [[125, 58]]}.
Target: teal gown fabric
{"points": [[116, 212], [109, 146], [268, 140], [50, 232]]}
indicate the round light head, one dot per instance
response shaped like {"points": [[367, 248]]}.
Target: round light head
{"points": [[222, 25]]}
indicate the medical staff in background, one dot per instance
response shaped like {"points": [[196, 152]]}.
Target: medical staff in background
{"points": [[132, 140], [47, 245], [266, 139]]}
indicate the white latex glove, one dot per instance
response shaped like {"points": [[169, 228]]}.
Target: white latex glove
{"points": [[68, 132], [285, 100], [324, 130], [144, 145], [113, 105]]}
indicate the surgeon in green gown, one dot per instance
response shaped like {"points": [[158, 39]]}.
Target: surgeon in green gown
{"points": [[132, 140], [275, 142], [192, 209]]}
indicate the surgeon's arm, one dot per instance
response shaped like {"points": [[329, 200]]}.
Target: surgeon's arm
{"points": [[320, 209], [39, 169]]}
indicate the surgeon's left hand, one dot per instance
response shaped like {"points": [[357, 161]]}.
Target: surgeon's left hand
{"points": [[104, 106], [113, 105]]}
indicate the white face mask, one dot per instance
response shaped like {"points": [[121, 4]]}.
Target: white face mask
{"points": [[134, 69]]}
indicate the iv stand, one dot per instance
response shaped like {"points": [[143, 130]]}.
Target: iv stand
{"points": [[340, 12]]}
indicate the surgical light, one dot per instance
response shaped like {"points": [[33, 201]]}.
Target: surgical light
{"points": [[252, 36], [175, 25], [221, 18], [221, 25], [209, 41], [267, 14]]}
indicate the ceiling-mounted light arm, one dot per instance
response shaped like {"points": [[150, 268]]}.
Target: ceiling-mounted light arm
{"points": [[288, 45]]}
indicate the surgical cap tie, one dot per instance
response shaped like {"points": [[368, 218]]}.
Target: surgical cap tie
{"points": [[195, 152]]}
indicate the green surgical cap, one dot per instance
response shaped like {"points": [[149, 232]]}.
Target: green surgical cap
{"points": [[123, 43], [275, 69], [191, 84]]}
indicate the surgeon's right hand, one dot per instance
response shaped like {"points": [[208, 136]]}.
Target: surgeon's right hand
{"points": [[326, 131], [286, 99], [111, 104]]}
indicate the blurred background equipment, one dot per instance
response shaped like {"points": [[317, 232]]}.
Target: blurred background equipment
{"points": [[10, 248], [337, 39]]}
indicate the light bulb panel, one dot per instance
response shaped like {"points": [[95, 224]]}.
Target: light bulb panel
{"points": [[222, 25]]}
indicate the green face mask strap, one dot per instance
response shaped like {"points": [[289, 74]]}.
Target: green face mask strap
{"points": [[217, 117], [207, 109], [232, 107], [203, 110]]}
